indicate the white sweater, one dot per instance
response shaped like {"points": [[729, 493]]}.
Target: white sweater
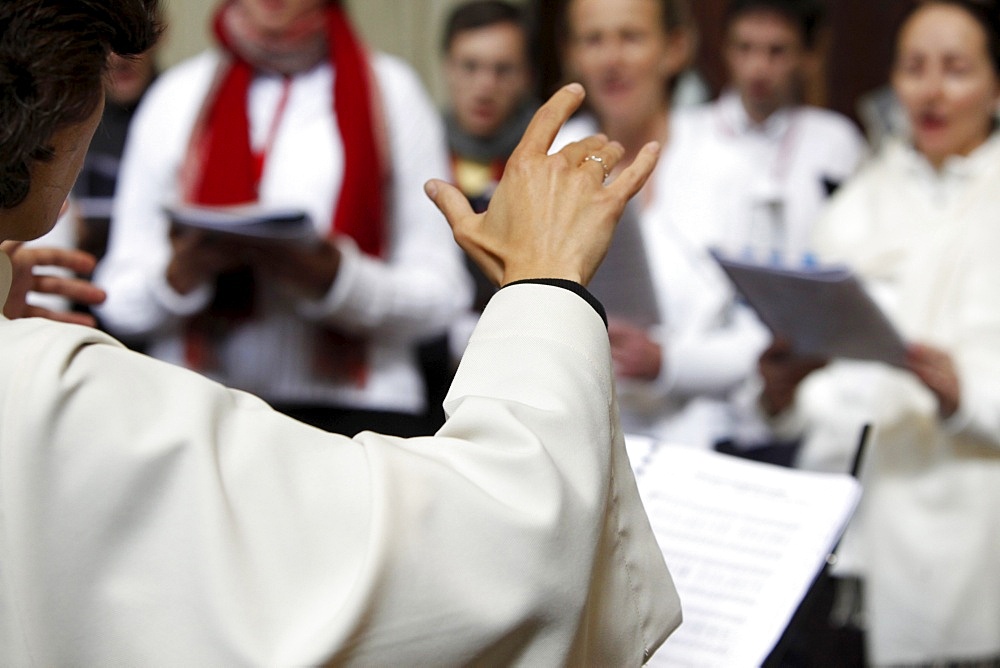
{"points": [[701, 195], [416, 291], [927, 535]]}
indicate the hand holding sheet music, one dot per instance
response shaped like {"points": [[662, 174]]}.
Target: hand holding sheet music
{"points": [[278, 243], [821, 312], [246, 220]]}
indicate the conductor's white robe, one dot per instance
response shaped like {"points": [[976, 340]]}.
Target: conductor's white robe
{"points": [[151, 517]]}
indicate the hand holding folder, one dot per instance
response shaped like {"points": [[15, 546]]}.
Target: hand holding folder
{"points": [[247, 220], [821, 312]]}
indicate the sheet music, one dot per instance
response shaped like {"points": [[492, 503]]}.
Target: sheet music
{"points": [[743, 541], [246, 220], [623, 282], [824, 312]]}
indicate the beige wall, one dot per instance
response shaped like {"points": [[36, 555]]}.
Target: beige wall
{"points": [[407, 28], [187, 29]]}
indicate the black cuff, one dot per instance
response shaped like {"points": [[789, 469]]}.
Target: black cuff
{"points": [[572, 286]]}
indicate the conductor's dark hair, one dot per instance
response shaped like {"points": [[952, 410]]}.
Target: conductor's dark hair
{"points": [[481, 14], [806, 15], [53, 57]]}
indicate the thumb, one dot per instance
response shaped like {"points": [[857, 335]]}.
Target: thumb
{"points": [[449, 200]]}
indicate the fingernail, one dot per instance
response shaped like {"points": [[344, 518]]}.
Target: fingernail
{"points": [[652, 147], [574, 88], [431, 188]]}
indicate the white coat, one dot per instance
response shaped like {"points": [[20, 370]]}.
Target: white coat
{"points": [[714, 168], [416, 291], [149, 516], [926, 538]]}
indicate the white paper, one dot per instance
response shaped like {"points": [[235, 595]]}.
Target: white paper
{"points": [[743, 541], [823, 311]]}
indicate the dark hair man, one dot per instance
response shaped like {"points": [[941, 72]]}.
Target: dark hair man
{"points": [[486, 45], [749, 175], [489, 76]]}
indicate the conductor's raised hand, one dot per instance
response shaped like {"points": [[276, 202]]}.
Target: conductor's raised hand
{"points": [[552, 216]]}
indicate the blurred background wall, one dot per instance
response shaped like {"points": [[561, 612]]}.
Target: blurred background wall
{"points": [[407, 28], [855, 60]]}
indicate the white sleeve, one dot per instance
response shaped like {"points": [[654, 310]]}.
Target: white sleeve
{"points": [[977, 355], [421, 287], [848, 150], [716, 360], [133, 271], [711, 341], [152, 517]]}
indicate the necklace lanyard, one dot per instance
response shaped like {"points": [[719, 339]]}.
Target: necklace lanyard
{"points": [[766, 236], [783, 156], [260, 156]]}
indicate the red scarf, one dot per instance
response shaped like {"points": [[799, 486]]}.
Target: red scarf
{"points": [[223, 168]]}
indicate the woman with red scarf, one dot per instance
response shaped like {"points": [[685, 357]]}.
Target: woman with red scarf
{"points": [[290, 111]]}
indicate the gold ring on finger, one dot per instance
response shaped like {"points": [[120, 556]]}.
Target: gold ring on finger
{"points": [[600, 161]]}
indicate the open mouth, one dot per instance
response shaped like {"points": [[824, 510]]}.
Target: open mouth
{"points": [[931, 122], [484, 112], [615, 87]]}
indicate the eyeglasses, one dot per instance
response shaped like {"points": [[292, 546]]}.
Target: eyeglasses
{"points": [[468, 68]]}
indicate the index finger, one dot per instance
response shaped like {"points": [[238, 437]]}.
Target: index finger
{"points": [[549, 119]]}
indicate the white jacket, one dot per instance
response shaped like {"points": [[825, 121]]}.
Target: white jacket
{"points": [[927, 535], [416, 291], [149, 516], [713, 168]]}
